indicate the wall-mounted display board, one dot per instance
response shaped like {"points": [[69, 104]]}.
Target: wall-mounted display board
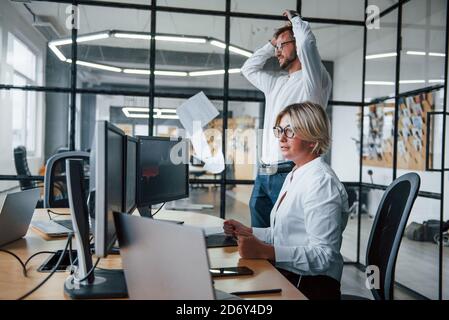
{"points": [[412, 132]]}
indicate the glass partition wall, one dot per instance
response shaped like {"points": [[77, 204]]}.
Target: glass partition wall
{"points": [[133, 62]]}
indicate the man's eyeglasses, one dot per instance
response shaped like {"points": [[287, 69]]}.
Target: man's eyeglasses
{"points": [[280, 46], [287, 131]]}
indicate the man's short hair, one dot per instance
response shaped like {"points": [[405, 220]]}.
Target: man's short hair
{"points": [[283, 29]]}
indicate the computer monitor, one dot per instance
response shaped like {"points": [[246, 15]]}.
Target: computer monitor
{"points": [[130, 174], [109, 184], [162, 170]]}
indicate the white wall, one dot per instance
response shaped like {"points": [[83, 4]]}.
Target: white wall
{"points": [[12, 21]]}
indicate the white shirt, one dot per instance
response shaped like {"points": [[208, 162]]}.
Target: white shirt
{"points": [[311, 83], [306, 230]]}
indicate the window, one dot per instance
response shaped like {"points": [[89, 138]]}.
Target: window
{"points": [[24, 103]]}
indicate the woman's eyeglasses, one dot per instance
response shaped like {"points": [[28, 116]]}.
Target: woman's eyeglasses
{"points": [[287, 131]]}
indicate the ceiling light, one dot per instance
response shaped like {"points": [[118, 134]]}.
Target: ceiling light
{"points": [[240, 51], [236, 70], [92, 37], [411, 81], [143, 113], [205, 73], [436, 81], [57, 52], [380, 83], [380, 55], [218, 44], [132, 36], [416, 53], [60, 42], [170, 73], [436, 54], [181, 39], [95, 65], [137, 71]]}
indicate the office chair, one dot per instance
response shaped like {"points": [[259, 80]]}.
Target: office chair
{"points": [[22, 169], [386, 233], [56, 193]]}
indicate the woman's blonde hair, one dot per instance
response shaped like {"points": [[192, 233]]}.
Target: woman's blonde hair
{"points": [[309, 121]]}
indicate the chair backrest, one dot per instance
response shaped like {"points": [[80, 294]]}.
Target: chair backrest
{"points": [[55, 182], [387, 231], [22, 169]]}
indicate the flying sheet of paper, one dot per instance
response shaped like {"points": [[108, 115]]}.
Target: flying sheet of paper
{"points": [[196, 112]]}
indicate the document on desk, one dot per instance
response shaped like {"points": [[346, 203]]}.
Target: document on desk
{"points": [[194, 115]]}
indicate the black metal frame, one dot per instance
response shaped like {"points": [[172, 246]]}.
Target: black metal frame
{"points": [[228, 14]]}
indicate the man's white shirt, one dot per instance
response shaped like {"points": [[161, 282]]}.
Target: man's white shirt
{"points": [[311, 83]]}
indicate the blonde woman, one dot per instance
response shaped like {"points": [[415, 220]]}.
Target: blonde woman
{"points": [[310, 214]]}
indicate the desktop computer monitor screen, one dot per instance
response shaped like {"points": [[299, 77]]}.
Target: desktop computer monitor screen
{"points": [[109, 180], [163, 170], [130, 174]]}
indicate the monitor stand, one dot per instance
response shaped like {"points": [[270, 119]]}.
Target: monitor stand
{"points": [[146, 212], [100, 283]]}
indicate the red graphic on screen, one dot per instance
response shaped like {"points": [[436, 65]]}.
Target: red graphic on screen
{"points": [[150, 172]]}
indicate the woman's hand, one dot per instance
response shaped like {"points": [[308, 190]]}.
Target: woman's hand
{"points": [[252, 248], [234, 228]]}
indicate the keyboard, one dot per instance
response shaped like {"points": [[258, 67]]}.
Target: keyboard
{"points": [[220, 240]]}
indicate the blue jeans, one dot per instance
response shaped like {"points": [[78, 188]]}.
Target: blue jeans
{"points": [[265, 193]]}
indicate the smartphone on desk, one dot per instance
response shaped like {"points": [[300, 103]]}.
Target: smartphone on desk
{"points": [[231, 271]]}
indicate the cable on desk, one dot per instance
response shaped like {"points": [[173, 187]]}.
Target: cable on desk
{"points": [[90, 271], [36, 254], [158, 210], [69, 239], [24, 270], [58, 213]]}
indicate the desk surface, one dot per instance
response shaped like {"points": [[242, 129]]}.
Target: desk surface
{"points": [[13, 284]]}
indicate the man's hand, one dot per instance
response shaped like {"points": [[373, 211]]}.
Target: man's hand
{"points": [[290, 14], [234, 228], [252, 248]]}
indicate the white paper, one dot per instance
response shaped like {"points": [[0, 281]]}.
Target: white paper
{"points": [[194, 114], [196, 109]]}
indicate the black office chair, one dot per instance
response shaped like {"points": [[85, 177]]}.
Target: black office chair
{"points": [[55, 182], [386, 233], [22, 169]]}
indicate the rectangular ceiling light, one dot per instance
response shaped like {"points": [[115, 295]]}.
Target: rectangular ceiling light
{"points": [[218, 44], [60, 42], [170, 73], [205, 73], [132, 36], [180, 39], [380, 55], [240, 51], [236, 70], [436, 81], [57, 52], [95, 65], [92, 37], [416, 53], [137, 71], [136, 112], [436, 54], [411, 81], [380, 83]]}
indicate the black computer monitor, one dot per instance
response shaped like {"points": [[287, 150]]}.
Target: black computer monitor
{"points": [[130, 174], [109, 184], [162, 170]]}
